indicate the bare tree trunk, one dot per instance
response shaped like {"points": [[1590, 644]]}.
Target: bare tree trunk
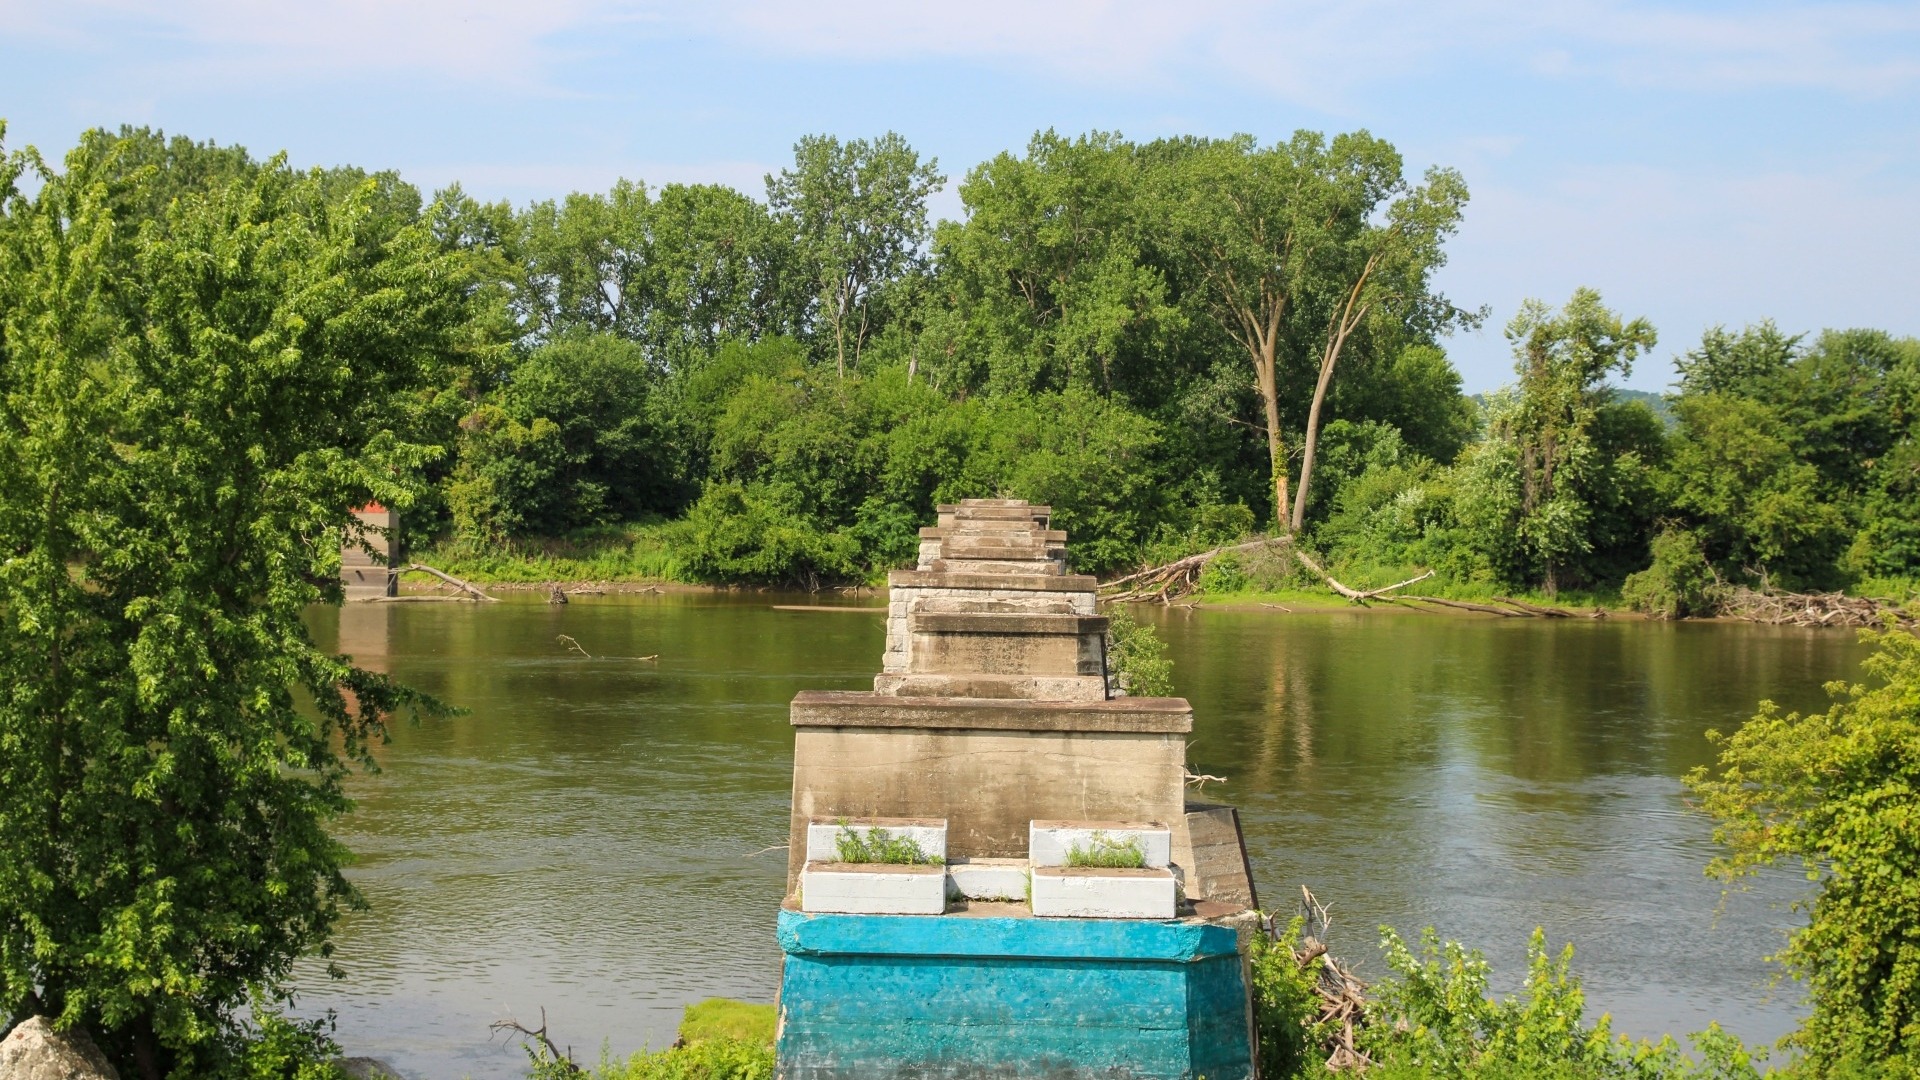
{"points": [[1312, 442], [1344, 323], [1276, 442]]}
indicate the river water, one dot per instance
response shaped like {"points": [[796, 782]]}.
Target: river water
{"points": [[602, 837]]}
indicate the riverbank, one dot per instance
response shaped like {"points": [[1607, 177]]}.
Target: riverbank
{"points": [[648, 557]]}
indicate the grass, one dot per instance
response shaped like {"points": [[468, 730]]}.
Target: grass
{"points": [[880, 846], [639, 552], [719, 1040], [723, 1018], [1104, 851]]}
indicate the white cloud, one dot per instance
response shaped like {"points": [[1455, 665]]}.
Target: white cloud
{"points": [[1317, 53]]}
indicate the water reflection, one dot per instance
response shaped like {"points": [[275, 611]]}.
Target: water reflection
{"points": [[593, 837]]}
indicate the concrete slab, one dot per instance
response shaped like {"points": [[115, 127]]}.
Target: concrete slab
{"points": [[1049, 842], [987, 879], [873, 889], [823, 835], [1076, 892]]}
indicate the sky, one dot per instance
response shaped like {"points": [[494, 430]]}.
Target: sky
{"points": [[1698, 163]]}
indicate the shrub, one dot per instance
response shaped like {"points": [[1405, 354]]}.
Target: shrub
{"points": [[1136, 657], [1839, 793], [1678, 584]]}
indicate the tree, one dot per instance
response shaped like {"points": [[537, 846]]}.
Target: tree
{"points": [[1296, 247], [859, 212], [1050, 273], [1835, 792], [190, 406], [1563, 359]]}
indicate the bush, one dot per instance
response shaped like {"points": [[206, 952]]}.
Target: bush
{"points": [[1680, 583], [757, 533], [1136, 657], [1433, 1020], [1838, 793]]}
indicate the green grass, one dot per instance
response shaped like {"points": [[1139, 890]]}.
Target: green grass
{"points": [[719, 1040], [641, 552], [880, 846], [723, 1018], [1104, 851]]}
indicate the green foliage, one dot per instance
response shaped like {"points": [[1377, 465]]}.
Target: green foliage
{"points": [[722, 1018], [1136, 657], [190, 406], [1835, 792], [1432, 1020], [862, 845], [278, 1048], [1106, 851], [858, 213], [1678, 584], [1285, 1005]]}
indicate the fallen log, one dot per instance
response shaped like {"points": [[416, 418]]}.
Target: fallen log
{"points": [[423, 568], [1535, 609], [1505, 613]]}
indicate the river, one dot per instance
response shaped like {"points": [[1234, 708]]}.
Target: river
{"points": [[603, 837]]}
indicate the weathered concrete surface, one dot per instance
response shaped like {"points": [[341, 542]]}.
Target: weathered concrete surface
{"points": [[987, 879], [1050, 843], [1215, 856], [35, 1051], [364, 576], [988, 784], [960, 998], [854, 708], [873, 889], [1094, 892], [823, 837]]}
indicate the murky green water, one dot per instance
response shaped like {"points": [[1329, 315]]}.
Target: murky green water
{"points": [[603, 837]]}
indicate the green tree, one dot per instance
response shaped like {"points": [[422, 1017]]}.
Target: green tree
{"points": [[1050, 273], [859, 212], [1296, 249], [1551, 421], [190, 405], [1836, 793]]}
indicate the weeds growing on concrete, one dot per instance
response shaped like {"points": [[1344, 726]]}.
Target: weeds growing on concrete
{"points": [[1105, 851], [855, 845]]}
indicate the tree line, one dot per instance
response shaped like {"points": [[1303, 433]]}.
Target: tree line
{"points": [[1175, 343]]}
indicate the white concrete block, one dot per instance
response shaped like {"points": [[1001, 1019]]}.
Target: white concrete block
{"points": [[1048, 842], [1076, 892], [987, 879], [823, 835], [873, 889]]}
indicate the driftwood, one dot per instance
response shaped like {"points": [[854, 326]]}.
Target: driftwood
{"points": [[1343, 997], [1815, 609], [575, 646], [1179, 577], [464, 587]]}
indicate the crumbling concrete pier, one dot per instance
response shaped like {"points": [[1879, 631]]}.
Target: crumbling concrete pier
{"points": [[1079, 918]]}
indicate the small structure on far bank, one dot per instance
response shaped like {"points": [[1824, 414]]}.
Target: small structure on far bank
{"points": [[370, 576], [993, 868]]}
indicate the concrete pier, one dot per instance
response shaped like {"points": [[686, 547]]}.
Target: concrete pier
{"points": [[994, 712]]}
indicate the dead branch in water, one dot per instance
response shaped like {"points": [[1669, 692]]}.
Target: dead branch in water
{"points": [[539, 1035], [575, 646], [1342, 1009], [465, 587]]}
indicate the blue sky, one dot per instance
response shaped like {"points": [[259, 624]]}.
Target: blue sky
{"points": [[1698, 163]]}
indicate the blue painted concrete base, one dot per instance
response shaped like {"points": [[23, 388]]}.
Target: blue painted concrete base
{"points": [[960, 997]]}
